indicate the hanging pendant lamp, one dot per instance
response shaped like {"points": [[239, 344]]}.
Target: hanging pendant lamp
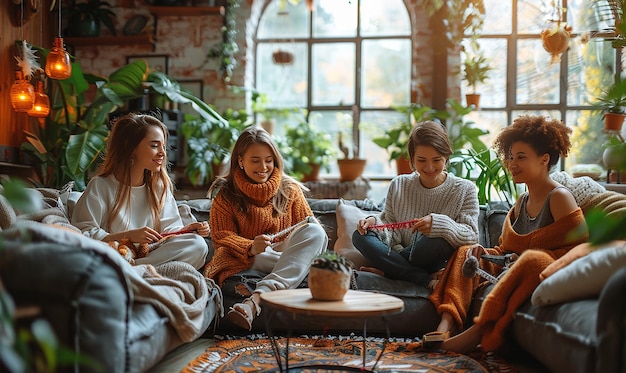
{"points": [[58, 64], [22, 93], [41, 103]]}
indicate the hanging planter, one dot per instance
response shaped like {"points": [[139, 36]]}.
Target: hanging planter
{"points": [[281, 57], [556, 40]]}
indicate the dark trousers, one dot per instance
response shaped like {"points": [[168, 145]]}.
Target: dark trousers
{"points": [[425, 255]]}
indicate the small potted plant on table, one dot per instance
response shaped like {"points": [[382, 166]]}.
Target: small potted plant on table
{"points": [[329, 276]]}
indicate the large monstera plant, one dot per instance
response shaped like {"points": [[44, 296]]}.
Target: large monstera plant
{"points": [[69, 144]]}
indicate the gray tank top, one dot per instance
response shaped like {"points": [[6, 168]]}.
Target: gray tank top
{"points": [[524, 224]]}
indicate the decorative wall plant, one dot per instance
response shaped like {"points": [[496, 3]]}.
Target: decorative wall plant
{"points": [[226, 50]]}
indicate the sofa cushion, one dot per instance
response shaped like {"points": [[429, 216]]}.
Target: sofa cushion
{"points": [[348, 215], [584, 277]]}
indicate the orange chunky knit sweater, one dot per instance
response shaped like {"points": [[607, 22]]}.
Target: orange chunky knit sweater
{"points": [[233, 230], [453, 293]]}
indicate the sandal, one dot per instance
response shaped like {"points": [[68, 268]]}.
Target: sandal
{"points": [[434, 339], [241, 314]]}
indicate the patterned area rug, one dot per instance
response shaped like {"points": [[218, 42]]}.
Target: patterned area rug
{"points": [[245, 355]]}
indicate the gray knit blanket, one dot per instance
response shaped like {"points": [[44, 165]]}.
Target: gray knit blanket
{"points": [[176, 289]]}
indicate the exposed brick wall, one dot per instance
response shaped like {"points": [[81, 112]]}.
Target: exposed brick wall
{"points": [[187, 40]]}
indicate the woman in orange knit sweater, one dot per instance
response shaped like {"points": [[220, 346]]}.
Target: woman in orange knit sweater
{"points": [[261, 220], [543, 225]]}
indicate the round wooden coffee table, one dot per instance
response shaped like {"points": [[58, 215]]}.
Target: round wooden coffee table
{"points": [[355, 304]]}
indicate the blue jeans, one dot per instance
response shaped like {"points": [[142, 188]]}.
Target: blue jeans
{"points": [[425, 255]]}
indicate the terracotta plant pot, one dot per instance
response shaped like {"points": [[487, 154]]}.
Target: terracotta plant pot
{"points": [[314, 175], [473, 99], [328, 285], [350, 169], [613, 121], [403, 166]]}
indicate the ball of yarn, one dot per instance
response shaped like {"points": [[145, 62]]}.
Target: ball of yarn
{"points": [[470, 266]]}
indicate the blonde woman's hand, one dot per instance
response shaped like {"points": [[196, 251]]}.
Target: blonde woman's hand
{"points": [[201, 227], [259, 244], [423, 225], [143, 235]]}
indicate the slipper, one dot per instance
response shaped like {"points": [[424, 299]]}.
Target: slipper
{"points": [[241, 314], [434, 339]]}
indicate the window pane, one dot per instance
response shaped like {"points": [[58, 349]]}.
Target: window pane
{"points": [[290, 21], [591, 67], [587, 137], [532, 16], [385, 71], [285, 85], [554, 114], [537, 79], [373, 124], [334, 18], [492, 121], [497, 17], [493, 91], [384, 18], [333, 69], [334, 122]]}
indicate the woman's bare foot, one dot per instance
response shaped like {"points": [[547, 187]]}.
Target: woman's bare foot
{"points": [[372, 270]]}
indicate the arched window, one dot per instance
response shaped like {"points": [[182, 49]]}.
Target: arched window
{"points": [[347, 62]]}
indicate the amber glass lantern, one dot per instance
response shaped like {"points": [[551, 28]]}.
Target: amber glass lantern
{"points": [[58, 64], [22, 93], [41, 104]]}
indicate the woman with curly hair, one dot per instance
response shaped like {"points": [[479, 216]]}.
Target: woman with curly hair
{"points": [[544, 224]]}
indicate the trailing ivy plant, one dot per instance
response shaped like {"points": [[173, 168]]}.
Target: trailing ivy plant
{"points": [[227, 49]]}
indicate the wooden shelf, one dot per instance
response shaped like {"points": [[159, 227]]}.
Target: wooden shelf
{"points": [[110, 40], [185, 10]]}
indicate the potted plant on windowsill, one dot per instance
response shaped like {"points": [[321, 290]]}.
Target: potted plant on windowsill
{"points": [[329, 276], [395, 139], [612, 102], [350, 166], [85, 18], [475, 71], [306, 149]]}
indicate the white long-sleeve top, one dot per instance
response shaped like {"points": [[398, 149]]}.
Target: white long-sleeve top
{"points": [[90, 212], [453, 206]]}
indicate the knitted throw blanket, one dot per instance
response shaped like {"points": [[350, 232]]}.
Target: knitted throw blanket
{"points": [[176, 289]]}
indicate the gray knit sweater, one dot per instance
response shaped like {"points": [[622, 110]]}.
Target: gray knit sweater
{"points": [[453, 206]]}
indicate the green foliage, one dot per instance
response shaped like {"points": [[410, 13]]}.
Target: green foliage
{"points": [[462, 18], [396, 137], [95, 10], [209, 143], [472, 159], [613, 99], [70, 142], [476, 66], [304, 145], [332, 261], [226, 50], [605, 228]]}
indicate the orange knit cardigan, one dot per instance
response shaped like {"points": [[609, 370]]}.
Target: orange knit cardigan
{"points": [[233, 231], [453, 293]]}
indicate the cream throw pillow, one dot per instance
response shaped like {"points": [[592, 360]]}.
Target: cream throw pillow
{"points": [[582, 278], [348, 215]]}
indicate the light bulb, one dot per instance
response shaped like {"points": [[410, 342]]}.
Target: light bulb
{"points": [[58, 64], [22, 93], [41, 104]]}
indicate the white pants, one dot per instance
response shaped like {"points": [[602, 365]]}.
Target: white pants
{"points": [[289, 263], [189, 248]]}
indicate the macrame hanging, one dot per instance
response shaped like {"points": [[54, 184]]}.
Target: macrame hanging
{"points": [[556, 39]]}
